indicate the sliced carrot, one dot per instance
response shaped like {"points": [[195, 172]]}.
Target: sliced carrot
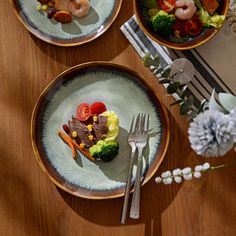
{"points": [[73, 145], [69, 142], [87, 154]]}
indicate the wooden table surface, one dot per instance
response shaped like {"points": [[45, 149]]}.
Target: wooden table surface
{"points": [[30, 204]]}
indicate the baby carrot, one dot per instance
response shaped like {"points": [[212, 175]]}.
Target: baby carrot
{"points": [[69, 142], [72, 144], [87, 154]]}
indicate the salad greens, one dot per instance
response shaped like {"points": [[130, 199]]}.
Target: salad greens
{"points": [[165, 22], [215, 20]]}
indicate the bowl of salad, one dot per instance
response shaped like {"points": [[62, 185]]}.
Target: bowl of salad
{"points": [[181, 24]]}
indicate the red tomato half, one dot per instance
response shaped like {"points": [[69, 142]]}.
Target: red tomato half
{"points": [[83, 112], [98, 108], [193, 26], [166, 5]]}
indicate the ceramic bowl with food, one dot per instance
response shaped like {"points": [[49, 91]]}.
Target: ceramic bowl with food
{"points": [[66, 22], [67, 122], [181, 24]]}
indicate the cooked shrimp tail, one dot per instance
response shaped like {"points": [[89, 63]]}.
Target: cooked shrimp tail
{"points": [[79, 8], [185, 9]]}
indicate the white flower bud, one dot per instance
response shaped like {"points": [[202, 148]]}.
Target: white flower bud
{"points": [[197, 175], [188, 176], [199, 168], [166, 174], [158, 180], [168, 180], [178, 179], [186, 170], [176, 172], [206, 166]]}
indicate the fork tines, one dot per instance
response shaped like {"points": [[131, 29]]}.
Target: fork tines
{"points": [[142, 122]]}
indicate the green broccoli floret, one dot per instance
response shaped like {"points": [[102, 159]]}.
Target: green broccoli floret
{"points": [[104, 150], [162, 23]]}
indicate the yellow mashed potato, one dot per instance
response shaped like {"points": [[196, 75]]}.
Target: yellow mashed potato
{"points": [[112, 124]]}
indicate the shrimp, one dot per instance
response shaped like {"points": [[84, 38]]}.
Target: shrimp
{"points": [[61, 5], [185, 9], [79, 8]]}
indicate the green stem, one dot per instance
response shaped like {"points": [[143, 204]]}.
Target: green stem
{"points": [[210, 169], [222, 166]]}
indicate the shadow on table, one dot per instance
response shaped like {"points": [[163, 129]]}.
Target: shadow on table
{"points": [[154, 198]]}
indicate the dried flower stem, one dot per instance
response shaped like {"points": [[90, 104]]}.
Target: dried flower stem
{"points": [[178, 175], [222, 166]]}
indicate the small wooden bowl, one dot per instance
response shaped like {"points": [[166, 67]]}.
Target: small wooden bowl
{"points": [[192, 43]]}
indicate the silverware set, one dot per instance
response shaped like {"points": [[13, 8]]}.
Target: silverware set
{"points": [[137, 139]]}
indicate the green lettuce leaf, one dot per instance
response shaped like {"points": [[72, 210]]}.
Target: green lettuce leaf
{"points": [[215, 21]]}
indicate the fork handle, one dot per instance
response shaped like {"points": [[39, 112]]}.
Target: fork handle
{"points": [[127, 188], [135, 204]]}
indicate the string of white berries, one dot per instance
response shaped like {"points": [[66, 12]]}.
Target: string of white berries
{"points": [[177, 175]]}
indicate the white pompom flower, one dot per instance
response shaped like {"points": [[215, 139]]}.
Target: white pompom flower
{"points": [[232, 115], [210, 133], [158, 180], [178, 179], [168, 180], [177, 175], [188, 176], [206, 166], [166, 174], [186, 170], [199, 168], [176, 172], [197, 174]]}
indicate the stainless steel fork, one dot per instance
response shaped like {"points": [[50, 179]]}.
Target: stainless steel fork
{"points": [[141, 137], [131, 140]]}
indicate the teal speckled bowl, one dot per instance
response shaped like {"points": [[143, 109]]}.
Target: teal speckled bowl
{"points": [[81, 30], [124, 92]]}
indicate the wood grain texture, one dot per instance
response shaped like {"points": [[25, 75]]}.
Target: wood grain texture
{"points": [[29, 202]]}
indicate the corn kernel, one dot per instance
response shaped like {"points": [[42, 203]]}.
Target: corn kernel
{"points": [[50, 4], [90, 127], [38, 7], [44, 7], [95, 118], [74, 134], [82, 145], [90, 137]]}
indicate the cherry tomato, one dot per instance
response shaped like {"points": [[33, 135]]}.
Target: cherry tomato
{"points": [[83, 112], [193, 26], [98, 108], [166, 5]]}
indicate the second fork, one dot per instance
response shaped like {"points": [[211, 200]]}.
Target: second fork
{"points": [[131, 140], [141, 142]]}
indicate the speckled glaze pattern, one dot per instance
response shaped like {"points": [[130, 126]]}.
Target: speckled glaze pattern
{"points": [[122, 93], [80, 30]]}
